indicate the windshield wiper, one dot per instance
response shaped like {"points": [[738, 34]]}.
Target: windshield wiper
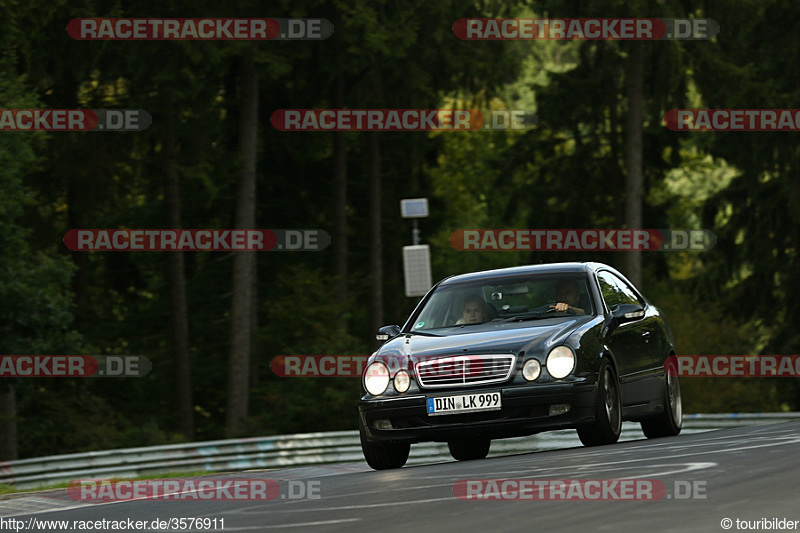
{"points": [[522, 318], [422, 333]]}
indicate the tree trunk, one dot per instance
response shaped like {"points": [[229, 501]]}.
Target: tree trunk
{"points": [[253, 377], [8, 423], [340, 216], [80, 280], [633, 157], [244, 263], [376, 240], [179, 314]]}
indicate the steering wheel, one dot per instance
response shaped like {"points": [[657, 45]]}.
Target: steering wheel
{"points": [[553, 310]]}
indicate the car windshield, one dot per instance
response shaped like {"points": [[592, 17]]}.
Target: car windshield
{"points": [[517, 298]]}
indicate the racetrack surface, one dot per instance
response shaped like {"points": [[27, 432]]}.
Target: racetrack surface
{"points": [[747, 473]]}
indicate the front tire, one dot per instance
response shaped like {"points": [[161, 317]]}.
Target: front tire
{"points": [[607, 425], [670, 422], [384, 455], [469, 450]]}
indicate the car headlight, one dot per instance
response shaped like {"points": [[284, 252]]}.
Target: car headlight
{"points": [[402, 381], [560, 362], [376, 378], [531, 370]]}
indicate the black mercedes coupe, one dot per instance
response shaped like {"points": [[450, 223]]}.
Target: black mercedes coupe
{"points": [[516, 351]]}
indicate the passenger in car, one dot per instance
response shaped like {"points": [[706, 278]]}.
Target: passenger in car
{"points": [[568, 295], [473, 311]]}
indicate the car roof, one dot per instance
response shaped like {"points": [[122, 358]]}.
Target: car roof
{"points": [[546, 268]]}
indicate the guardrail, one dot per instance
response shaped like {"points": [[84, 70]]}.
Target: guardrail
{"points": [[297, 450]]}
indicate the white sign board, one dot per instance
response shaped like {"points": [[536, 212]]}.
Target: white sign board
{"points": [[414, 208], [417, 269]]}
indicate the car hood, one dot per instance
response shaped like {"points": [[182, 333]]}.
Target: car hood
{"points": [[503, 339]]}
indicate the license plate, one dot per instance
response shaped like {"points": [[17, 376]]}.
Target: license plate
{"points": [[464, 403]]}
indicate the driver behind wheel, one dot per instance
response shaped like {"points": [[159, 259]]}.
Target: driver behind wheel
{"points": [[567, 296]]}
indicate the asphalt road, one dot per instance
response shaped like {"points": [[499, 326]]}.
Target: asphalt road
{"points": [[748, 473]]}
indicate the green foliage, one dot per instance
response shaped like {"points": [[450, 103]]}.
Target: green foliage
{"points": [[34, 284], [302, 323], [702, 327]]}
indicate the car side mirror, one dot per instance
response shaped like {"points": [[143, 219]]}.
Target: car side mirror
{"points": [[628, 312], [388, 332], [620, 315]]}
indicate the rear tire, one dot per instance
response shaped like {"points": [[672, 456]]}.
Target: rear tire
{"points": [[607, 425], [384, 455], [469, 450], [670, 422]]}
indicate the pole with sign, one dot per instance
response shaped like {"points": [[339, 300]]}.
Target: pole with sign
{"points": [[416, 258]]}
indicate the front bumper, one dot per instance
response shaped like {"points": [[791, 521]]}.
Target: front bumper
{"points": [[524, 412]]}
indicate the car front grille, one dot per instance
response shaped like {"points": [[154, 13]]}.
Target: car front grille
{"points": [[465, 370]]}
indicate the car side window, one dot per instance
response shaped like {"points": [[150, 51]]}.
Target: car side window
{"points": [[615, 291]]}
